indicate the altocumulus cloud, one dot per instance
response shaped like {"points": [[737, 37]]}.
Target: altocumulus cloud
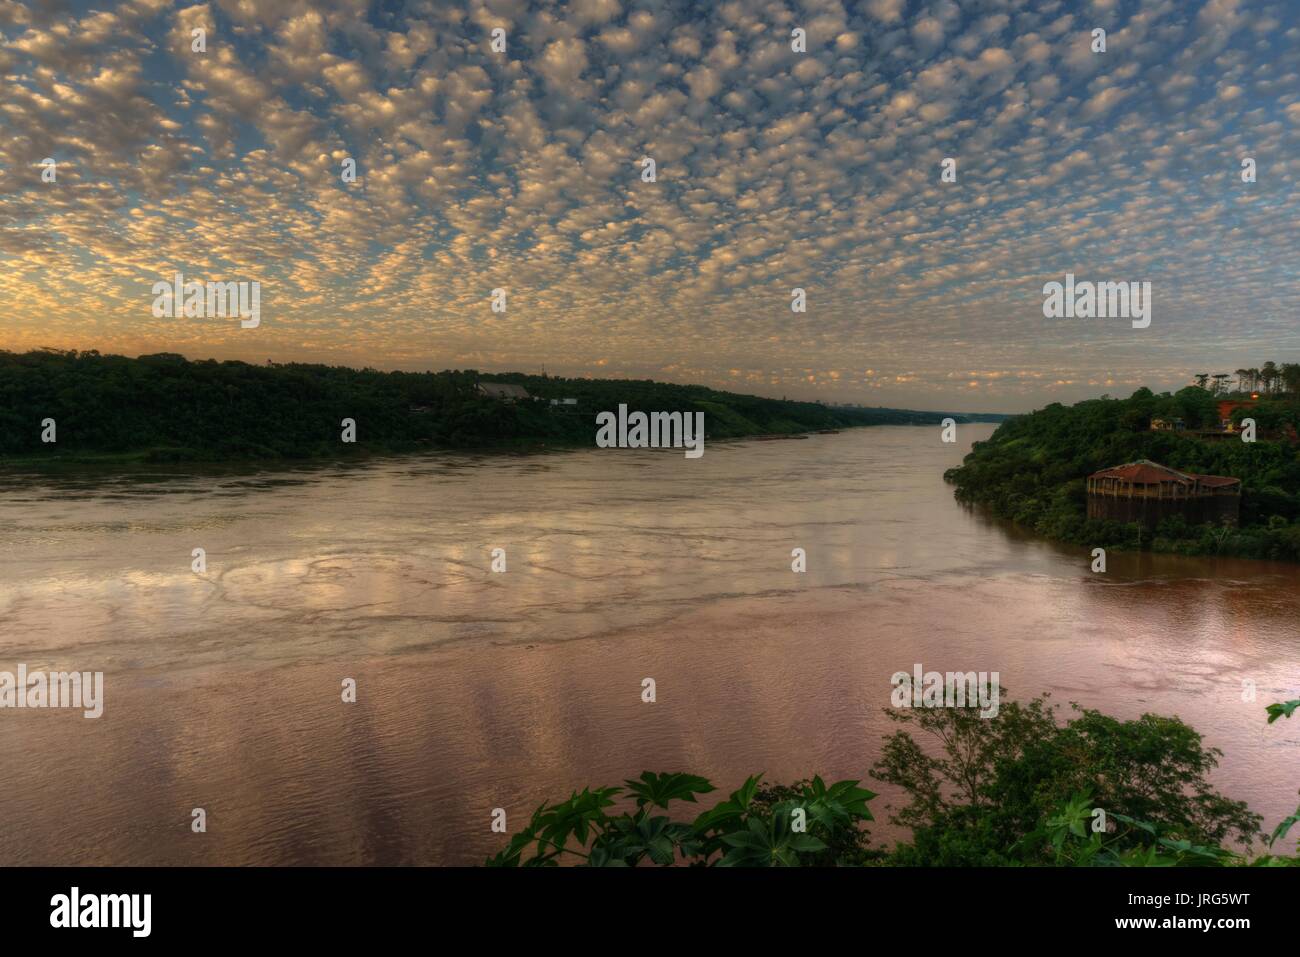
{"points": [[776, 170]]}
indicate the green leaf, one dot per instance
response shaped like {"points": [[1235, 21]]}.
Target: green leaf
{"points": [[806, 843], [744, 795], [729, 813], [1284, 827], [659, 789], [1131, 822], [1283, 710]]}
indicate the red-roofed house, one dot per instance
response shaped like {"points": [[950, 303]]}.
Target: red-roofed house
{"points": [[1146, 491]]}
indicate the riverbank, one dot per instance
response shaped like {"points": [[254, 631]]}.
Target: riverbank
{"points": [[1033, 471], [165, 460], [162, 409]]}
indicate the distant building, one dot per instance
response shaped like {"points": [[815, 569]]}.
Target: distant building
{"points": [[505, 391], [1228, 406], [1147, 492], [1168, 425]]}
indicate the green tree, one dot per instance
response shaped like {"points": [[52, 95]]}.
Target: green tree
{"points": [[990, 781]]}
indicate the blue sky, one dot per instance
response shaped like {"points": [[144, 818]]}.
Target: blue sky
{"points": [[775, 169]]}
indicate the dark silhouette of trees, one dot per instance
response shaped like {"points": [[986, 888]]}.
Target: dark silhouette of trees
{"points": [[165, 408]]}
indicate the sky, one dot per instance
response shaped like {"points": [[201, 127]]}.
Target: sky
{"points": [[775, 169]]}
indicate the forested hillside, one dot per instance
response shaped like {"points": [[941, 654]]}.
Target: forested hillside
{"points": [[165, 408], [1033, 470]]}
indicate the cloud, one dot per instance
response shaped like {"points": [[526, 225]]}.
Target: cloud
{"points": [[886, 11], [775, 169]]}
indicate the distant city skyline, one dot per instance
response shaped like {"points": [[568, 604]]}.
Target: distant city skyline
{"points": [[783, 160]]}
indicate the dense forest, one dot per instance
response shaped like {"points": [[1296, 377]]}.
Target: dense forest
{"points": [[1033, 469], [164, 408], [1021, 789]]}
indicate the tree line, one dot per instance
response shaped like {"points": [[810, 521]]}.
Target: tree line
{"points": [[165, 408], [1270, 379]]}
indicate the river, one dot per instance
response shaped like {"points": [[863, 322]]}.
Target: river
{"points": [[479, 689]]}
